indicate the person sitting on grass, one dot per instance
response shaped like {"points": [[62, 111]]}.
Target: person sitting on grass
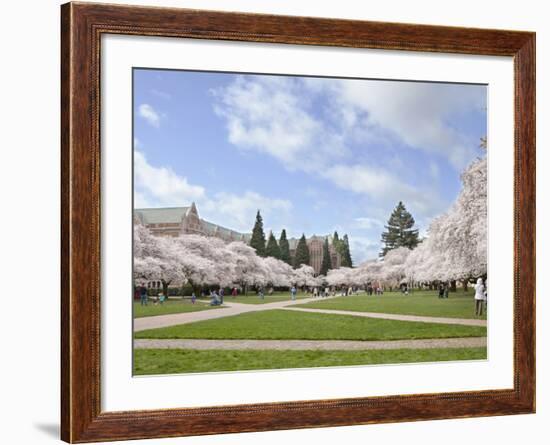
{"points": [[214, 300], [161, 298]]}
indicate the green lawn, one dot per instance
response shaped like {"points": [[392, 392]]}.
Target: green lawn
{"points": [[175, 361], [281, 324], [253, 298], [169, 307], [459, 304]]}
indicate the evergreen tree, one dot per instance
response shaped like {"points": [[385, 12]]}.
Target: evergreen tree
{"points": [[302, 253], [284, 247], [326, 265], [336, 240], [257, 241], [399, 230], [272, 248], [345, 252]]}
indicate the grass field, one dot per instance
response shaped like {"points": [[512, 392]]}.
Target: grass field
{"points": [[281, 324], [459, 304], [253, 298], [163, 361], [169, 307]]}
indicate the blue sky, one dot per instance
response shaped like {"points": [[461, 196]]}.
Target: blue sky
{"points": [[313, 154]]}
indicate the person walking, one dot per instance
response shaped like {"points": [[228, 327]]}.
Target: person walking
{"points": [[293, 293], [234, 292], [222, 293], [479, 296], [193, 298], [143, 295], [441, 290]]}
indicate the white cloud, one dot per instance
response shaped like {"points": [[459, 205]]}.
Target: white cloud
{"points": [[239, 211], [415, 112], [162, 94], [363, 249], [161, 185], [382, 185], [274, 116], [365, 222], [270, 115], [434, 170], [147, 112]]}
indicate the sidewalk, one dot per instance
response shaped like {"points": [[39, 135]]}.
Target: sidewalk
{"points": [[298, 345], [229, 308]]}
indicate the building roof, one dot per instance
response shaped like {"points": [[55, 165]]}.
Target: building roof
{"points": [[175, 215], [212, 229], [161, 215]]}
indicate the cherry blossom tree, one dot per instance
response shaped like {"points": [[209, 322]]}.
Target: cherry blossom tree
{"points": [[344, 276], [456, 246], [305, 276], [393, 266]]}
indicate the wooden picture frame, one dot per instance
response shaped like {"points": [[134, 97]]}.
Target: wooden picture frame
{"points": [[82, 25]]}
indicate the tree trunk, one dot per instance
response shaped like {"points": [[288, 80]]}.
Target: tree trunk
{"points": [[165, 288]]}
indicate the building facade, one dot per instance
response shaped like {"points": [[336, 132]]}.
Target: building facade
{"points": [[176, 221]]}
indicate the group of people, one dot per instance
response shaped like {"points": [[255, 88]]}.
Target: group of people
{"points": [[376, 290], [144, 296], [443, 290], [216, 298]]}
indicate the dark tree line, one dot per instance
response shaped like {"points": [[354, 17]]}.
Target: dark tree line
{"points": [[281, 249]]}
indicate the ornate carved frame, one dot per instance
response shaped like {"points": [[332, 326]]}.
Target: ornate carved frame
{"points": [[81, 28]]}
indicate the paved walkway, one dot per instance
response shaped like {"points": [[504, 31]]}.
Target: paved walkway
{"points": [[325, 345], [400, 317], [229, 308]]}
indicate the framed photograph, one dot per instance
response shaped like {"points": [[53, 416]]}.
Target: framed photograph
{"points": [[274, 222]]}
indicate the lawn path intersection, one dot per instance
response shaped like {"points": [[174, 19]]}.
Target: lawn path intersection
{"points": [[232, 308]]}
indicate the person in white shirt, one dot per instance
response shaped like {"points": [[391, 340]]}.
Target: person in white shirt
{"points": [[479, 296]]}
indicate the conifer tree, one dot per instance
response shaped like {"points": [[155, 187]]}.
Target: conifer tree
{"points": [[284, 247], [257, 241], [326, 264], [272, 248], [335, 240], [399, 230], [345, 252], [302, 253]]}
